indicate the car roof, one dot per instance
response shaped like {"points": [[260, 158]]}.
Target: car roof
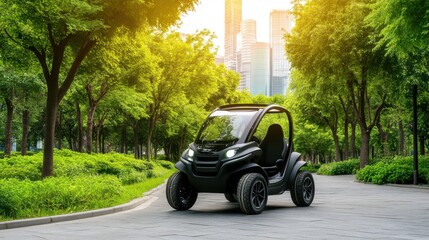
{"points": [[243, 106]]}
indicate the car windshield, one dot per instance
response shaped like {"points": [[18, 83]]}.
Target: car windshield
{"points": [[225, 126]]}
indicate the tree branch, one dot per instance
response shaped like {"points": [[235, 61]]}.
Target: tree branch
{"points": [[41, 56], [83, 52], [378, 112], [350, 86], [14, 40], [51, 36]]}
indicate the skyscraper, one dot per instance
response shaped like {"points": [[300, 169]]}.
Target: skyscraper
{"points": [[280, 24], [233, 13], [260, 69], [247, 39]]}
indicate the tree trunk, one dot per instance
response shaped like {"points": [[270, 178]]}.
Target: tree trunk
{"points": [[51, 119], [401, 139], [89, 128], [334, 129], [137, 153], [353, 140], [70, 139], [99, 127], [358, 90], [103, 148], [155, 148], [8, 129], [25, 130], [346, 109], [346, 138], [59, 126], [97, 143], [383, 139], [93, 103], [149, 139], [364, 149], [124, 140], [79, 128], [182, 140], [337, 147]]}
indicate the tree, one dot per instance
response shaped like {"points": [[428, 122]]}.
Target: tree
{"points": [[61, 31], [318, 101], [403, 28], [102, 72], [184, 73], [331, 38], [19, 85]]}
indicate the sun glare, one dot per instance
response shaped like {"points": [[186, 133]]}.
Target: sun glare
{"points": [[210, 14]]}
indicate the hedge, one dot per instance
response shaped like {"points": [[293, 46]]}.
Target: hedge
{"points": [[397, 170], [339, 168], [80, 182]]}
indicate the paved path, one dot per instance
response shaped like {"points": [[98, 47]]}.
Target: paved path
{"points": [[342, 209]]}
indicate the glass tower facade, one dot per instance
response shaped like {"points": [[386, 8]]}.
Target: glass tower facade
{"points": [[280, 24], [260, 69], [247, 39], [233, 17]]}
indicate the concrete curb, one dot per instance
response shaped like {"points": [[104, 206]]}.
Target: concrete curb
{"points": [[424, 187], [80, 215]]}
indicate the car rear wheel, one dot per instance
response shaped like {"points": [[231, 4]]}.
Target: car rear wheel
{"points": [[252, 193], [230, 197], [303, 189], [180, 194]]}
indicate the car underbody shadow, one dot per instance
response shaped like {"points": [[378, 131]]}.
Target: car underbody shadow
{"points": [[227, 208]]}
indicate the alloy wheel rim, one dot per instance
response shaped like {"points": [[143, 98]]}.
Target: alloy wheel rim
{"points": [[308, 189], [258, 195], [184, 193]]}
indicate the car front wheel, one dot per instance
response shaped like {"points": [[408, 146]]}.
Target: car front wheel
{"points": [[252, 194], [180, 194]]}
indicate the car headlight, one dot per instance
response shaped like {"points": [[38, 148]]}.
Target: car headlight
{"points": [[231, 153], [190, 154]]}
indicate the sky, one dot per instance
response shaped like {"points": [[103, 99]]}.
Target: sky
{"points": [[210, 14]]}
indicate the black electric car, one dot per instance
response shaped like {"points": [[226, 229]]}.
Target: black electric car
{"points": [[246, 152]]}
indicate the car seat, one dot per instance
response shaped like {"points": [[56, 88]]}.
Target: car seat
{"points": [[273, 150]]}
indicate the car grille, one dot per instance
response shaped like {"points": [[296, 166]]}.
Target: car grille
{"points": [[206, 165]]}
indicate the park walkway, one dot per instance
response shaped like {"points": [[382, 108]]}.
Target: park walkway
{"points": [[342, 209]]}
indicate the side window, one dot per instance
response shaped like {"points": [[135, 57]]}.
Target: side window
{"points": [[269, 119]]}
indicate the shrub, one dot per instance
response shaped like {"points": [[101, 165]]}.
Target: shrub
{"points": [[22, 167], [21, 198], [166, 164], [339, 168], [131, 176], [10, 200], [311, 167], [397, 170], [81, 181]]}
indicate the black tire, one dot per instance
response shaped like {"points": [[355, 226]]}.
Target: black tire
{"points": [[180, 194], [252, 194], [230, 197], [303, 189]]}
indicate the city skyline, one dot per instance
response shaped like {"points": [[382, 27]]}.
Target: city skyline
{"points": [[210, 15]]}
